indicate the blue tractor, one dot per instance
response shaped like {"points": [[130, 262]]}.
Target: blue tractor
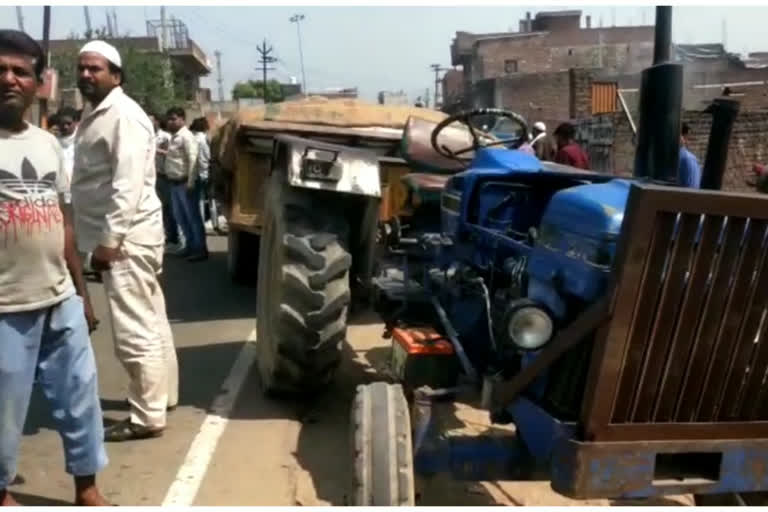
{"points": [[521, 249], [566, 302]]}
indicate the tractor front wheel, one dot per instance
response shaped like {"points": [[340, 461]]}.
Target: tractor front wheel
{"points": [[381, 443]]}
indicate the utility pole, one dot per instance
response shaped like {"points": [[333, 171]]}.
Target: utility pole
{"points": [[88, 28], [163, 30], [20, 18], [297, 19], [43, 114], [220, 81], [725, 34], [437, 69], [264, 60]]}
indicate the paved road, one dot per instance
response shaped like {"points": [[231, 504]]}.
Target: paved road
{"points": [[269, 452]]}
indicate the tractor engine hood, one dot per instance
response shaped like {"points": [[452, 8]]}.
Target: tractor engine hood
{"points": [[595, 211]]}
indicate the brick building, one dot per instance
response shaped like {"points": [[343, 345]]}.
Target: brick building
{"points": [[551, 42]]}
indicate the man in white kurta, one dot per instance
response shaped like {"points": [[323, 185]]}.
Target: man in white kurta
{"points": [[118, 221]]}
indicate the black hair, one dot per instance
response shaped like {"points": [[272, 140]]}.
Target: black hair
{"points": [[115, 70], [176, 111], [68, 112], [200, 124], [566, 130], [686, 129], [21, 42]]}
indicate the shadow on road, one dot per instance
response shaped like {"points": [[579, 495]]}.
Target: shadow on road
{"points": [[37, 501], [201, 292], [199, 366]]}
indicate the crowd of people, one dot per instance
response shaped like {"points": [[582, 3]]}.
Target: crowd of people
{"points": [[88, 200], [567, 151], [185, 196]]}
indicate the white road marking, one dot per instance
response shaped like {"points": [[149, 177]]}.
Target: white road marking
{"points": [[184, 488]]}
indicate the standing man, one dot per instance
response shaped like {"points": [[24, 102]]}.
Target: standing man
{"points": [[45, 311], [181, 171], [542, 143], [689, 171], [67, 119], [568, 150], [163, 186], [120, 233], [199, 129]]}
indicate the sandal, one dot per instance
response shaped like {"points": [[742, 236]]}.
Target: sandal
{"points": [[127, 431]]}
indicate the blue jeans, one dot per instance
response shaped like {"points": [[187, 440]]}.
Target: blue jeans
{"points": [[54, 343], [186, 209], [163, 187]]}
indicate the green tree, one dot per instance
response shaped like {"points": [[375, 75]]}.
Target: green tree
{"points": [[152, 79], [255, 89]]}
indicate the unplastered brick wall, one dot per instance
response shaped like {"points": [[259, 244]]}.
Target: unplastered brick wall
{"points": [[549, 97], [748, 145], [580, 83]]}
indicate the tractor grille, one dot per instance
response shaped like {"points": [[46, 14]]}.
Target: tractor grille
{"points": [[695, 353], [565, 382], [685, 353]]}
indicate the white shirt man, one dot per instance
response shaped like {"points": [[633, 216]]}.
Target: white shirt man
{"points": [[119, 227]]}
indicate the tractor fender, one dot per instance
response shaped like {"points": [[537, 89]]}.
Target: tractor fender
{"points": [[316, 165], [340, 178]]}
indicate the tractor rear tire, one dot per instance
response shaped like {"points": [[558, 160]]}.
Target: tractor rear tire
{"points": [[382, 447], [303, 291], [242, 257]]}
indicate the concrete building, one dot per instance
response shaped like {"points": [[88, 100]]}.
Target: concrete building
{"points": [[393, 98], [330, 93], [453, 90], [184, 54]]}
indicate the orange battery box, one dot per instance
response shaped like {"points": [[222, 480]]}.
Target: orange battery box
{"points": [[423, 357]]}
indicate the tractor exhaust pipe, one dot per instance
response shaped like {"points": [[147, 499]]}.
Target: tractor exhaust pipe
{"points": [[661, 100], [724, 112], [662, 39]]}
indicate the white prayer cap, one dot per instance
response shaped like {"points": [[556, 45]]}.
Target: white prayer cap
{"points": [[106, 50], [540, 126]]}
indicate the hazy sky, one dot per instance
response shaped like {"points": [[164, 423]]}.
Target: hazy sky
{"points": [[375, 48]]}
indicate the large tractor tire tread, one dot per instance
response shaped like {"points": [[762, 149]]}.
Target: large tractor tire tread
{"points": [[310, 321], [383, 454]]}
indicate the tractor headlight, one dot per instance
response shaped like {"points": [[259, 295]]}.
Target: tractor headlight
{"points": [[529, 327]]}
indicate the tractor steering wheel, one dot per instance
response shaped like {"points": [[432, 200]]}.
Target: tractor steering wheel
{"points": [[466, 117]]}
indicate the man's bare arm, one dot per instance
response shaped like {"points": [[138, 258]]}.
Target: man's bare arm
{"points": [[75, 266]]}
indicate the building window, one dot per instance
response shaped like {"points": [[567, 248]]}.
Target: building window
{"points": [[510, 66]]}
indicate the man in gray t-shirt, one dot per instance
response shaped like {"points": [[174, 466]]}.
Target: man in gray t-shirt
{"points": [[45, 312]]}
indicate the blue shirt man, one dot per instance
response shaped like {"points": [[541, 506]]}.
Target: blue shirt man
{"points": [[689, 171]]}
